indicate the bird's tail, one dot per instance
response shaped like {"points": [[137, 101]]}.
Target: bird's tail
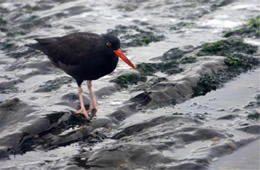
{"points": [[42, 43], [36, 46]]}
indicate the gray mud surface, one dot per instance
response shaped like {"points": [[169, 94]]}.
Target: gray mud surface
{"points": [[193, 101]]}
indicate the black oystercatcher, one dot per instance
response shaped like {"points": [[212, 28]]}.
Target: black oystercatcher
{"points": [[84, 56]]}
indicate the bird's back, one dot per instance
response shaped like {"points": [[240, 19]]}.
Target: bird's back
{"points": [[70, 49]]}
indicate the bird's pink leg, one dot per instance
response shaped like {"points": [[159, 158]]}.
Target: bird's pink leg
{"points": [[93, 104], [82, 107]]}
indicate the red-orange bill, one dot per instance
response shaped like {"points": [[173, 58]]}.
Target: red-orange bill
{"points": [[120, 54]]}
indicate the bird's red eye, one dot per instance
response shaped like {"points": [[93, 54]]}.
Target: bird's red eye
{"points": [[108, 44]]}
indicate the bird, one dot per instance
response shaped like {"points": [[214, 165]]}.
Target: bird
{"points": [[84, 56]]}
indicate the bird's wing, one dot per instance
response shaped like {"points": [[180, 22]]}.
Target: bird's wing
{"points": [[71, 49]]}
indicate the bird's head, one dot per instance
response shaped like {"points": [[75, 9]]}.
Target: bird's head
{"points": [[113, 43]]}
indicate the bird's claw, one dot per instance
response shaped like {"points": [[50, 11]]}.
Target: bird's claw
{"points": [[84, 112], [93, 107], [93, 113], [93, 110]]}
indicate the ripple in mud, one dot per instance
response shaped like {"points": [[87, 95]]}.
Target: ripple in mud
{"points": [[9, 86], [51, 85]]}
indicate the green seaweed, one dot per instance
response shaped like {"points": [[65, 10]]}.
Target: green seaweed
{"points": [[242, 62], [187, 60], [206, 84], [129, 79], [169, 67], [147, 69], [227, 48], [249, 29], [254, 116], [236, 64]]}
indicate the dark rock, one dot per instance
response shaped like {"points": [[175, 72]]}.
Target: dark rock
{"points": [[126, 156], [227, 117], [253, 129], [46, 132], [189, 166], [181, 25], [236, 110], [173, 54], [9, 103], [134, 129], [176, 113], [3, 153], [142, 99], [200, 134]]}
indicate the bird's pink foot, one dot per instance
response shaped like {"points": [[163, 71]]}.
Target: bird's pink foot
{"points": [[93, 106], [93, 109], [83, 111]]}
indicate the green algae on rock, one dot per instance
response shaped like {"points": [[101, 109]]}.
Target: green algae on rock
{"points": [[206, 84], [186, 60], [254, 116], [147, 69], [169, 67], [227, 48], [129, 79], [249, 29], [238, 59]]}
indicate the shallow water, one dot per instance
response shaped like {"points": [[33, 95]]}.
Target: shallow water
{"points": [[187, 135]]}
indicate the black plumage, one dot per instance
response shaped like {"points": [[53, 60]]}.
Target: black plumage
{"points": [[84, 56]]}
